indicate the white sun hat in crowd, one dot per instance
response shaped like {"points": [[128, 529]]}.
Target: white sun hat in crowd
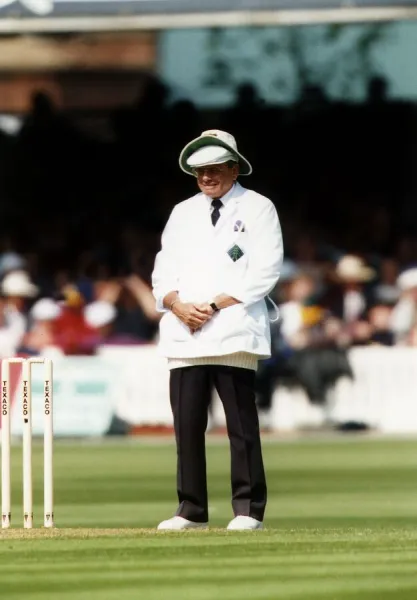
{"points": [[99, 313], [45, 309], [353, 268], [18, 283], [407, 280], [213, 147]]}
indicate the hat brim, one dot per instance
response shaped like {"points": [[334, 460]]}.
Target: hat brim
{"points": [[27, 291], [407, 280], [363, 275], [245, 168]]}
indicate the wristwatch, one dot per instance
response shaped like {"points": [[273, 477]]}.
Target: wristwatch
{"points": [[214, 307]]}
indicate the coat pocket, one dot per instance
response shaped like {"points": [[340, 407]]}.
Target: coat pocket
{"points": [[241, 239], [172, 329], [236, 320], [257, 318]]}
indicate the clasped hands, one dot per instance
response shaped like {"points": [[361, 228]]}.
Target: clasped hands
{"points": [[193, 315]]}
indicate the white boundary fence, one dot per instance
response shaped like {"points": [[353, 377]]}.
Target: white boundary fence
{"points": [[132, 384]]}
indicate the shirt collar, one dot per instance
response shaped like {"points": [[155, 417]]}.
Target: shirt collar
{"points": [[225, 199]]}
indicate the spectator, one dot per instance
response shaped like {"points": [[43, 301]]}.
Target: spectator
{"points": [[298, 318], [136, 312], [379, 316], [40, 338], [404, 316], [386, 290], [101, 317], [71, 333], [347, 301], [16, 289]]}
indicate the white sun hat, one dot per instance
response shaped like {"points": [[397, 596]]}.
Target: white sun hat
{"points": [[353, 268], [213, 147], [99, 313], [18, 283], [407, 280], [45, 309]]}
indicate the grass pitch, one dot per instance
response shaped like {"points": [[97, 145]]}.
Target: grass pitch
{"points": [[341, 524]]}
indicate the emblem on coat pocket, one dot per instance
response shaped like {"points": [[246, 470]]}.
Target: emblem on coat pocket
{"points": [[235, 253], [239, 226]]}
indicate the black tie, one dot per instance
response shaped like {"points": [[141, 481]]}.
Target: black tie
{"points": [[215, 215]]}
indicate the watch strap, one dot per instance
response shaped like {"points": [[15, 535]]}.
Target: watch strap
{"points": [[214, 306]]}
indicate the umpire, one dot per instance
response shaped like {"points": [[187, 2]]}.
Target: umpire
{"points": [[221, 256]]}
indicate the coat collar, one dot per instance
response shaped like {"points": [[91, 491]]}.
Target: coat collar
{"points": [[231, 202], [225, 199], [233, 194]]}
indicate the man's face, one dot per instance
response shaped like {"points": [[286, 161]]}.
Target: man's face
{"points": [[216, 180]]}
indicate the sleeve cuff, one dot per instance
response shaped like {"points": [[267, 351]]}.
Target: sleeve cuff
{"points": [[238, 295], [160, 305]]}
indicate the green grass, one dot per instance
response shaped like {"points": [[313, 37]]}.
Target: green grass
{"points": [[341, 524]]}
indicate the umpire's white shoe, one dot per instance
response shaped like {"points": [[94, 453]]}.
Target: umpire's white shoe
{"points": [[179, 523], [242, 523]]}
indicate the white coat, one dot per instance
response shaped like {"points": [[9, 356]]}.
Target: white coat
{"points": [[194, 260]]}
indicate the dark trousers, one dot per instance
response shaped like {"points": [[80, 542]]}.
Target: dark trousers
{"points": [[190, 392], [264, 385]]}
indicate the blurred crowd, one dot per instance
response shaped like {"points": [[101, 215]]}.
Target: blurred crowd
{"points": [[82, 210], [328, 307], [76, 319]]}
